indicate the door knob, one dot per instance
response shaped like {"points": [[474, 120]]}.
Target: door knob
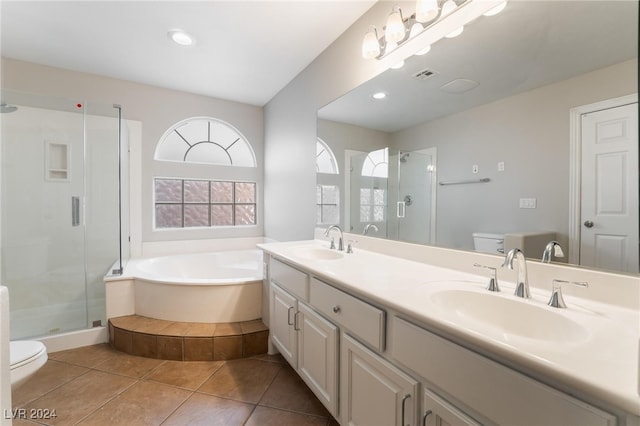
{"points": [[588, 224]]}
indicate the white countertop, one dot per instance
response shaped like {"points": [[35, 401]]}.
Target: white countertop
{"points": [[601, 360]]}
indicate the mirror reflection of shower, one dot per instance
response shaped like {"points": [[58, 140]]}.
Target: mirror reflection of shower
{"points": [[383, 183]]}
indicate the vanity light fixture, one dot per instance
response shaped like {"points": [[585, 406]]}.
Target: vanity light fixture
{"points": [[426, 10], [404, 37], [395, 31], [370, 44], [180, 37]]}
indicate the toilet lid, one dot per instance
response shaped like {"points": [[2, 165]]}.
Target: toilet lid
{"points": [[23, 351]]}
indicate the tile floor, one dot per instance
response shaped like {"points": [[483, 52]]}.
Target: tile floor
{"points": [[97, 385]]}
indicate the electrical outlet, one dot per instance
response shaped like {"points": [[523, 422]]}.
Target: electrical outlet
{"points": [[474, 168], [501, 166], [527, 203]]}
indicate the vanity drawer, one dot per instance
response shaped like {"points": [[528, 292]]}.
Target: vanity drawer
{"points": [[296, 282], [363, 320], [484, 385]]}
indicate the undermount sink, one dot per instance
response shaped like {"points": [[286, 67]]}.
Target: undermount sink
{"points": [[509, 316], [315, 253]]}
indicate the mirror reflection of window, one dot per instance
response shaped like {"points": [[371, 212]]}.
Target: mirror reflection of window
{"points": [[327, 193], [325, 160], [376, 164]]}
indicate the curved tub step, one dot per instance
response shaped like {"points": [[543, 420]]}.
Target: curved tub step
{"points": [[187, 341]]}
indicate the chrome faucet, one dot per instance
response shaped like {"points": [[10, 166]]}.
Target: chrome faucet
{"points": [[340, 240], [552, 249], [522, 285], [370, 226], [557, 301]]}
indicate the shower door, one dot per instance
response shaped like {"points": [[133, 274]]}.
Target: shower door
{"points": [[59, 213], [416, 195]]}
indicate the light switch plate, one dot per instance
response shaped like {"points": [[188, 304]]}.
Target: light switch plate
{"points": [[527, 203]]}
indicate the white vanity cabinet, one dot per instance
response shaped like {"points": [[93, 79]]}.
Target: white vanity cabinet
{"points": [[282, 327], [373, 391], [500, 394], [306, 340], [318, 356], [436, 411]]}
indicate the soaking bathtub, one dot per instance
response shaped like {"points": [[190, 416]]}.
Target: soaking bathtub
{"points": [[214, 287]]}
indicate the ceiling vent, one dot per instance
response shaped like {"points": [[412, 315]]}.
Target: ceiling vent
{"points": [[424, 74]]}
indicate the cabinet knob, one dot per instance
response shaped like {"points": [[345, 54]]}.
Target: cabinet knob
{"points": [[336, 309]]}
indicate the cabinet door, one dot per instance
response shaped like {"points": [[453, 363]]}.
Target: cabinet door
{"points": [[318, 356], [438, 412], [374, 392], [282, 319]]}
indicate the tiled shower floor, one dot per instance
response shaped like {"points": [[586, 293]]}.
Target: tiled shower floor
{"points": [[97, 385]]}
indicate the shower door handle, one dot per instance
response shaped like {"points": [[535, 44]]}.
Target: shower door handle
{"points": [[75, 211], [400, 209]]}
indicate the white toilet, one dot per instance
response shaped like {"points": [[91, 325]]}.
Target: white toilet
{"points": [[27, 357], [488, 242]]}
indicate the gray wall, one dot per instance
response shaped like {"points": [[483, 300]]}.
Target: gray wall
{"points": [[157, 109], [530, 133], [290, 128]]}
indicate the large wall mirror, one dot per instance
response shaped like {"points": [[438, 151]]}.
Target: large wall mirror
{"points": [[526, 124]]}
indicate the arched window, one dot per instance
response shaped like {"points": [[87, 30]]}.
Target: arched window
{"points": [[376, 164], [325, 160], [327, 191], [205, 140], [216, 199], [373, 198]]}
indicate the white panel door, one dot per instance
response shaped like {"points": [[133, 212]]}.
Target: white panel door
{"points": [[374, 392], [282, 330], [609, 211], [318, 356]]}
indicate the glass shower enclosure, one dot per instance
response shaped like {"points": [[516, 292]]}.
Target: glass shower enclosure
{"points": [[61, 194], [395, 191]]}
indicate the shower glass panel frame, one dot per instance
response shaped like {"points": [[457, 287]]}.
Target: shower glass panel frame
{"points": [[61, 211]]}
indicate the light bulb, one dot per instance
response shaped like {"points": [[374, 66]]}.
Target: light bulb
{"points": [[415, 30], [379, 95], [394, 30], [455, 33], [448, 7], [426, 10], [499, 8], [370, 44]]}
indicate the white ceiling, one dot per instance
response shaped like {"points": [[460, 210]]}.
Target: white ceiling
{"points": [[245, 51]]}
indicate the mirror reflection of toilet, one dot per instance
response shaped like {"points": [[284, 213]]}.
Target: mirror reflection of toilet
{"points": [[27, 357], [488, 242]]}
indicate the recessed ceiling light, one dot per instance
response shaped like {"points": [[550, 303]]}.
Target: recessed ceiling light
{"points": [[379, 95], [181, 37]]}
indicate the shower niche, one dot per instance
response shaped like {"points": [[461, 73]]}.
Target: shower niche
{"points": [[56, 161]]}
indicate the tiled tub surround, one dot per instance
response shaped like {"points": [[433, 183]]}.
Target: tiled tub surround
{"points": [[183, 341], [600, 367]]}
